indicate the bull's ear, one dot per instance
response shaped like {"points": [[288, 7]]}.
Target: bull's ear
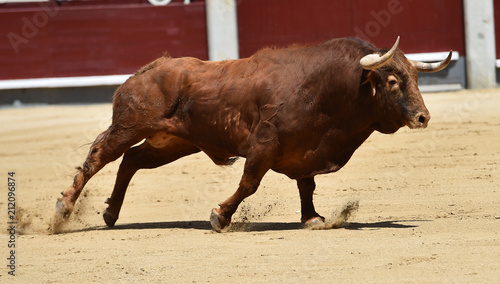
{"points": [[371, 78]]}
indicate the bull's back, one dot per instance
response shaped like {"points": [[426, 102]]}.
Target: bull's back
{"points": [[217, 102], [221, 103]]}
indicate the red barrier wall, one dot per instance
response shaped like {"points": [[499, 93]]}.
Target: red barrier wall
{"points": [[93, 37], [496, 7], [424, 25], [107, 37]]}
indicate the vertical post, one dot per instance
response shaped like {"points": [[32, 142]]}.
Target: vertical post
{"points": [[480, 43], [222, 29]]}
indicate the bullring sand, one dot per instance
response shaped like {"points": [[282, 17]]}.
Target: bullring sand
{"points": [[429, 208]]}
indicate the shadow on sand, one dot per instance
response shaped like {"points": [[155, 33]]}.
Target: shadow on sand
{"points": [[255, 227], [382, 225]]}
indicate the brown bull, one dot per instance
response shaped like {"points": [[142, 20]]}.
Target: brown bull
{"points": [[300, 111]]}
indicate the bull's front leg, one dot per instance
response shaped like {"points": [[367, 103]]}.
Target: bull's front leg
{"points": [[253, 173], [221, 217], [260, 158], [309, 215]]}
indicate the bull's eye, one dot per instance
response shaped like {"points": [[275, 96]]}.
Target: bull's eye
{"points": [[392, 80]]}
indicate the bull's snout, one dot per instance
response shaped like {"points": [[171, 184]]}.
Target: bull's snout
{"points": [[420, 120]]}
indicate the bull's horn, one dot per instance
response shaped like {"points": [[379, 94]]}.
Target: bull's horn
{"points": [[432, 67], [374, 60]]}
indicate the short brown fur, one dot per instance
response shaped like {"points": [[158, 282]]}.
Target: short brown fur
{"points": [[300, 111]]}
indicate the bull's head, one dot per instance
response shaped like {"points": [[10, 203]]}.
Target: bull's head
{"points": [[394, 85]]}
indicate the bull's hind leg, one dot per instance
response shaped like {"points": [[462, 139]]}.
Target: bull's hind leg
{"points": [[107, 147], [144, 156]]}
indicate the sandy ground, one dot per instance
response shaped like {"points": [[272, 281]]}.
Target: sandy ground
{"points": [[429, 208]]}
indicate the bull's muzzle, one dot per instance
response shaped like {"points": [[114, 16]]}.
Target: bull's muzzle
{"points": [[419, 120]]}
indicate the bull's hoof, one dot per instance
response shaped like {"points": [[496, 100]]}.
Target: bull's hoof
{"points": [[62, 210], [109, 219], [218, 221], [315, 223]]}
